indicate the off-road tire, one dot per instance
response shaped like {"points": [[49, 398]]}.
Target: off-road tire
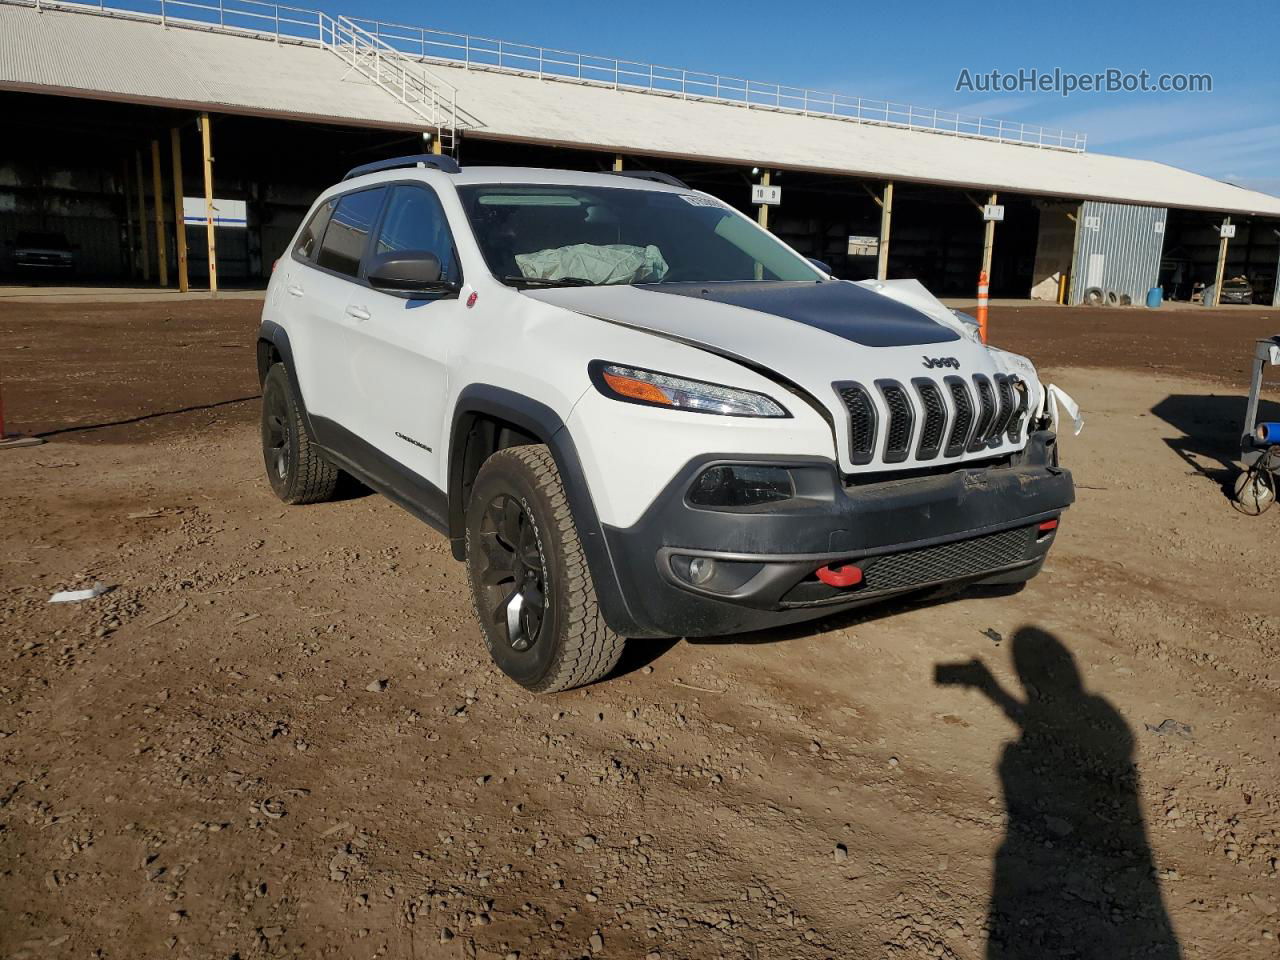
{"points": [[573, 646], [297, 471]]}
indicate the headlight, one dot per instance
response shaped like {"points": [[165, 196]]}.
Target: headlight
{"points": [[634, 385]]}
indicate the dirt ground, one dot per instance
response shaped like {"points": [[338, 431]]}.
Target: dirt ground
{"points": [[279, 733]]}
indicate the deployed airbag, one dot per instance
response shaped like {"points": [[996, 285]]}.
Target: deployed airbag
{"points": [[612, 263]]}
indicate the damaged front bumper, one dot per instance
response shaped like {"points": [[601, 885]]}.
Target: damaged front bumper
{"points": [[973, 524]]}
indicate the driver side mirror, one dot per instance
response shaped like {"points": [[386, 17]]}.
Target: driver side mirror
{"points": [[824, 267], [403, 272]]}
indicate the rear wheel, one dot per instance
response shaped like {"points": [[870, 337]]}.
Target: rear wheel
{"points": [[295, 468], [529, 579]]}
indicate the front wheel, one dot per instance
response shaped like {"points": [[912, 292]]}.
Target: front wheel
{"points": [[295, 468], [529, 579]]}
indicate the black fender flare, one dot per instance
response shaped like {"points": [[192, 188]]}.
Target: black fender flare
{"points": [[272, 336], [540, 421]]}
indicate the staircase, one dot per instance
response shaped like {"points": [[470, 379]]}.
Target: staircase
{"points": [[428, 95]]}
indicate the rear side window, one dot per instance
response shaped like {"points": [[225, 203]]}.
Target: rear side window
{"points": [[347, 236], [415, 221], [309, 239]]}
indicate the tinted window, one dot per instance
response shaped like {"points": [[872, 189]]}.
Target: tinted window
{"points": [[309, 239], [347, 235], [415, 221]]}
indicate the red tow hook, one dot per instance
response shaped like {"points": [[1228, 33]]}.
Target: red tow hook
{"points": [[847, 576]]}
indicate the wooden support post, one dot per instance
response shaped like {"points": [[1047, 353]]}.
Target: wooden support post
{"points": [[617, 162], [142, 220], [157, 191], [1077, 219], [179, 218], [1220, 273], [206, 140], [886, 218], [763, 215], [988, 241]]}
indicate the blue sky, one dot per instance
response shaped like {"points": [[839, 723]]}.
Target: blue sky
{"points": [[915, 52]]}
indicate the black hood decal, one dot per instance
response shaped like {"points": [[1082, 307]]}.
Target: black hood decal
{"points": [[844, 310]]}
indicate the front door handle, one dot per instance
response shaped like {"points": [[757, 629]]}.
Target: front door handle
{"points": [[294, 290], [360, 313]]}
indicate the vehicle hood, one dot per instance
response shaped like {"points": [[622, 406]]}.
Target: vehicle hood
{"points": [[810, 335]]}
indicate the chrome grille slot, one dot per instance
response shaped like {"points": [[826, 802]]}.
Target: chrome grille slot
{"points": [[963, 402], [897, 440], [986, 413], [1020, 411], [1004, 393], [935, 418], [862, 421]]}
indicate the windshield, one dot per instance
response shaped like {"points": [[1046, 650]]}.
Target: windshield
{"points": [[580, 236]]}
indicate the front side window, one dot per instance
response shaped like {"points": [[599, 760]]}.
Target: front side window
{"points": [[554, 235], [347, 235], [415, 221]]}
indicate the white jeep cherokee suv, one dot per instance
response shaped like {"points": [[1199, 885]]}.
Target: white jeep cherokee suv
{"points": [[637, 414]]}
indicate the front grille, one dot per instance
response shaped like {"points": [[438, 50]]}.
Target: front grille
{"points": [[901, 419], [956, 415], [944, 563], [935, 418], [947, 561], [862, 421]]}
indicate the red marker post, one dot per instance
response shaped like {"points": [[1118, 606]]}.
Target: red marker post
{"points": [[983, 289]]}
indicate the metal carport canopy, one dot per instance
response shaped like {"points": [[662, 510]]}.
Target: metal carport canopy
{"points": [[136, 60], [569, 113]]}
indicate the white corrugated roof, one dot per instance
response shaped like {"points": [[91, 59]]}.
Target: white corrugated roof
{"points": [[120, 59], [570, 113], [115, 58]]}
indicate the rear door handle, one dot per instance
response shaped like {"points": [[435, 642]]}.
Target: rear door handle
{"points": [[295, 290], [360, 313]]}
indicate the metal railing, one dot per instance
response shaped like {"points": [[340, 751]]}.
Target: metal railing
{"points": [[550, 63], [285, 22], [273, 20]]}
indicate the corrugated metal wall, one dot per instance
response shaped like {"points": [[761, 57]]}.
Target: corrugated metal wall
{"points": [[1118, 250]]}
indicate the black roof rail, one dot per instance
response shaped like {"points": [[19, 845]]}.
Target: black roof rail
{"points": [[435, 161], [653, 175]]}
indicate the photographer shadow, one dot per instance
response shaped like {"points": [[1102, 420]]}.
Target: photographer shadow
{"points": [[1075, 876]]}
